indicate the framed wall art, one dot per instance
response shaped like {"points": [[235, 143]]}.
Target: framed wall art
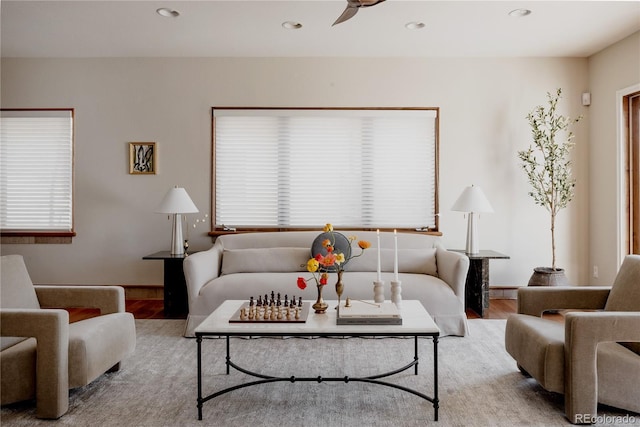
{"points": [[142, 158]]}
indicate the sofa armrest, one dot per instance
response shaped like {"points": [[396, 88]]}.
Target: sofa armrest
{"points": [[536, 300], [200, 268], [109, 299], [583, 333], [50, 328], [452, 269]]}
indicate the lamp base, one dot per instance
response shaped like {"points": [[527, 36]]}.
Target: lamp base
{"points": [[472, 235], [177, 243]]}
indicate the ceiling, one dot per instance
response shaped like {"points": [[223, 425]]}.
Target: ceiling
{"points": [[242, 28]]}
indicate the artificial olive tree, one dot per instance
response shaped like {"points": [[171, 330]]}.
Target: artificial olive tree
{"points": [[547, 161]]}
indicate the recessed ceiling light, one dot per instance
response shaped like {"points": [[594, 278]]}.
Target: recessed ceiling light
{"points": [[291, 25], [168, 13], [414, 25], [518, 13]]}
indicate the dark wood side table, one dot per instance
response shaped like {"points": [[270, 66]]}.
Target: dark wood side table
{"points": [[477, 286], [175, 285]]}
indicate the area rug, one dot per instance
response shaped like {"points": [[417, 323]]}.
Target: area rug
{"points": [[479, 385]]}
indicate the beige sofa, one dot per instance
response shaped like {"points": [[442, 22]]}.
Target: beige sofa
{"points": [[239, 266]]}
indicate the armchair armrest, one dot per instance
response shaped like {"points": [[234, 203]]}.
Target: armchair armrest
{"points": [[453, 268], [583, 333], [109, 299], [536, 300], [200, 268], [50, 328]]}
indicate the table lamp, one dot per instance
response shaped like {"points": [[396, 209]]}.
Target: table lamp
{"points": [[177, 202], [472, 200]]}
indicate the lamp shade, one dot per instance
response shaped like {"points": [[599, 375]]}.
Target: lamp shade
{"points": [[176, 201], [472, 199]]}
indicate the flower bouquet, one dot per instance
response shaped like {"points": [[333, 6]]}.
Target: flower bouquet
{"points": [[332, 257]]}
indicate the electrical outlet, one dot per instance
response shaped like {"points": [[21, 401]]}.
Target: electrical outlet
{"points": [[595, 271]]}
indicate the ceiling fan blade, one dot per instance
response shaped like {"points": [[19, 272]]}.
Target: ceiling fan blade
{"points": [[348, 13], [367, 3]]}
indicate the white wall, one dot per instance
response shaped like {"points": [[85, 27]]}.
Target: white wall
{"points": [[611, 70], [483, 104]]}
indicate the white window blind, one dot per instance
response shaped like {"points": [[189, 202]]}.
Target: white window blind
{"points": [[36, 175], [303, 168]]}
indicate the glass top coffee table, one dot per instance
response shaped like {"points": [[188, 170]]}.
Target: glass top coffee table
{"points": [[416, 322]]}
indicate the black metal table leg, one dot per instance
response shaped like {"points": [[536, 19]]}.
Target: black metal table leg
{"points": [[436, 402], [199, 341]]}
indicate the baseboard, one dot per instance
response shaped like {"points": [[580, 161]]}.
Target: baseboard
{"points": [[143, 291], [504, 291]]}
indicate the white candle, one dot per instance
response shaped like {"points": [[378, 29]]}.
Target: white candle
{"points": [[395, 261], [379, 275]]}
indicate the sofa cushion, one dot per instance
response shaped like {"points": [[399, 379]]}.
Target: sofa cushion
{"points": [[418, 261], [264, 260]]}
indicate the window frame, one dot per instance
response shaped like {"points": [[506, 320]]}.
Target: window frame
{"points": [[46, 236], [219, 230]]}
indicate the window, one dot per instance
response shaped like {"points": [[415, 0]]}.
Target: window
{"points": [[300, 168], [36, 172]]}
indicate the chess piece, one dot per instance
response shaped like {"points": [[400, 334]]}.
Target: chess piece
{"points": [[243, 313], [300, 302], [251, 302], [252, 313], [297, 316], [347, 302]]}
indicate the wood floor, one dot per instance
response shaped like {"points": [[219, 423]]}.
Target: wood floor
{"points": [[154, 309]]}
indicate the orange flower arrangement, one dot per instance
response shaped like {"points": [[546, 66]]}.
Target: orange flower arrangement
{"points": [[320, 264]]}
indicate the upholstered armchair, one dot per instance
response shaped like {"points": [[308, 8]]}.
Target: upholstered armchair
{"points": [[42, 356], [595, 355]]}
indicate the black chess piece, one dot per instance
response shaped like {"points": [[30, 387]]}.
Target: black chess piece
{"points": [[251, 302], [300, 302]]}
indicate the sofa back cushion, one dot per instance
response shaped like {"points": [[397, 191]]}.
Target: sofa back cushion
{"points": [[264, 260], [418, 261]]}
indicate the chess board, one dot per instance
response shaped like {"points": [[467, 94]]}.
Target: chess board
{"points": [[259, 314]]}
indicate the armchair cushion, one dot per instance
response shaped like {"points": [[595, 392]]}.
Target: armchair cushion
{"points": [[98, 342], [17, 292], [625, 294], [538, 346]]}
